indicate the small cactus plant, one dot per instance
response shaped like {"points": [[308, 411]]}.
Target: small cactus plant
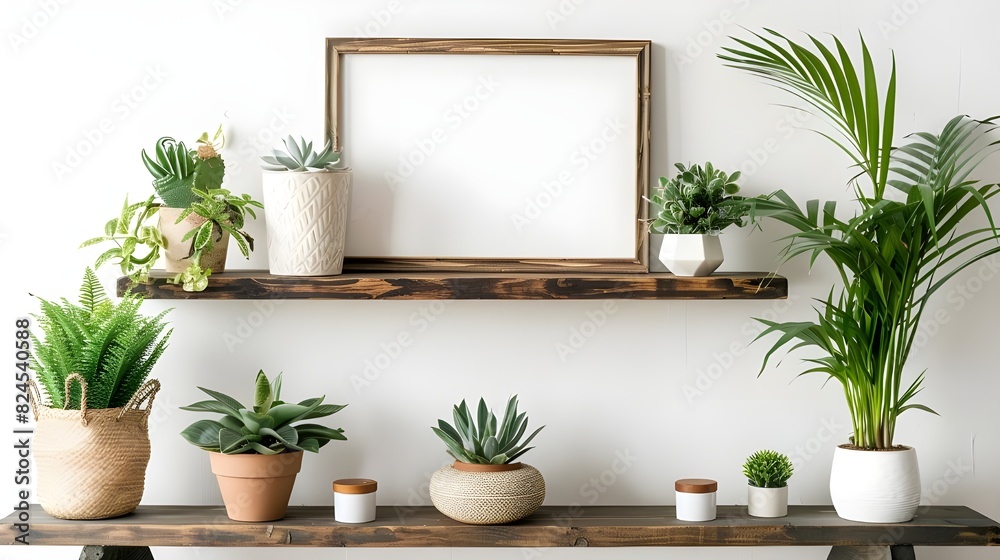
{"points": [[177, 171], [300, 156]]}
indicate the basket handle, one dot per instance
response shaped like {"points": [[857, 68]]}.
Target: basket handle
{"points": [[83, 395], [34, 398], [146, 392]]}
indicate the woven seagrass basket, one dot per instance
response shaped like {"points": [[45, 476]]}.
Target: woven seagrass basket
{"points": [[91, 462], [486, 496]]}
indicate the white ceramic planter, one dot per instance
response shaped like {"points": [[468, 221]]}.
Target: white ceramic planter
{"points": [[875, 486], [767, 502], [655, 264], [691, 254], [306, 215], [175, 257]]}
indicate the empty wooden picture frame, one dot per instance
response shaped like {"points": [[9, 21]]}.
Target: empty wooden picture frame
{"points": [[501, 155]]}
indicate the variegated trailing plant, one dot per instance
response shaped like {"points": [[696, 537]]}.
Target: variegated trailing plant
{"points": [[907, 236], [182, 178], [486, 441], [269, 427]]}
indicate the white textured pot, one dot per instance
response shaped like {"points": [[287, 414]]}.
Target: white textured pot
{"points": [[767, 502], [306, 215], [655, 264], [176, 256], [691, 254], [487, 494], [875, 486]]}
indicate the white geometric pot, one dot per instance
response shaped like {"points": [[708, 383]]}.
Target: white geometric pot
{"points": [[691, 254], [306, 216], [875, 486], [767, 502], [655, 243]]}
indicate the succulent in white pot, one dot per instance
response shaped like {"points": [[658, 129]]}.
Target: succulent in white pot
{"points": [[306, 194], [767, 475]]}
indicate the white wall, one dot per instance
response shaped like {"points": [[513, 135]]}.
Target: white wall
{"points": [[190, 64]]}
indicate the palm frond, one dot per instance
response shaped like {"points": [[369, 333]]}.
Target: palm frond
{"points": [[891, 255]]}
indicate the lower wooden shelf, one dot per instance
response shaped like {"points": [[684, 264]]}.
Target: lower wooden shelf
{"points": [[255, 284], [551, 526]]}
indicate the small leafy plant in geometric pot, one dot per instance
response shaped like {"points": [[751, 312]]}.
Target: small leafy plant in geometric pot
{"points": [[306, 193], [257, 451], [486, 485], [767, 475], [693, 207]]}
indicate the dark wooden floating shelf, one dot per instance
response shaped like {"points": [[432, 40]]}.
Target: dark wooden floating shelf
{"points": [[551, 526], [255, 284]]}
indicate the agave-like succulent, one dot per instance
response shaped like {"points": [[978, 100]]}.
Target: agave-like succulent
{"points": [[265, 429], [300, 156], [487, 442], [177, 170]]}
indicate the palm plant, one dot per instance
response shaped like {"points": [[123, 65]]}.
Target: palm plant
{"points": [[902, 243]]}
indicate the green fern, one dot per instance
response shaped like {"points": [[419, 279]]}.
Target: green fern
{"points": [[111, 345]]}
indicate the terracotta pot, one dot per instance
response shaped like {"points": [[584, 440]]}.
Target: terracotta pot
{"points": [[306, 217], [177, 253], [487, 494], [256, 488]]}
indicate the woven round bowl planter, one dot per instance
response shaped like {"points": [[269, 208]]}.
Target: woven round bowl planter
{"points": [[487, 494], [92, 462]]}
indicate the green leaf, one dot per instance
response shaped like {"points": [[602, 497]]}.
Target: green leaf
{"points": [[212, 406], [263, 396], [224, 399], [204, 434]]}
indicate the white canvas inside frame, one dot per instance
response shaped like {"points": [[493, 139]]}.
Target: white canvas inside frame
{"points": [[514, 156]]}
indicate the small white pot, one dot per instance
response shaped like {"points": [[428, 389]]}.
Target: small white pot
{"points": [[306, 216], [875, 486], [691, 254], [767, 502]]}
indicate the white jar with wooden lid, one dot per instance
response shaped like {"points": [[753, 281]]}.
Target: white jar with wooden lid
{"points": [[354, 500], [696, 499]]}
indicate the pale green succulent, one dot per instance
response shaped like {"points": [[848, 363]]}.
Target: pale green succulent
{"points": [[488, 442], [300, 156]]}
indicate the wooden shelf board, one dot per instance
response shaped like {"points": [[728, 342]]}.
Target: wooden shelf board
{"points": [[551, 526], [255, 284]]}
